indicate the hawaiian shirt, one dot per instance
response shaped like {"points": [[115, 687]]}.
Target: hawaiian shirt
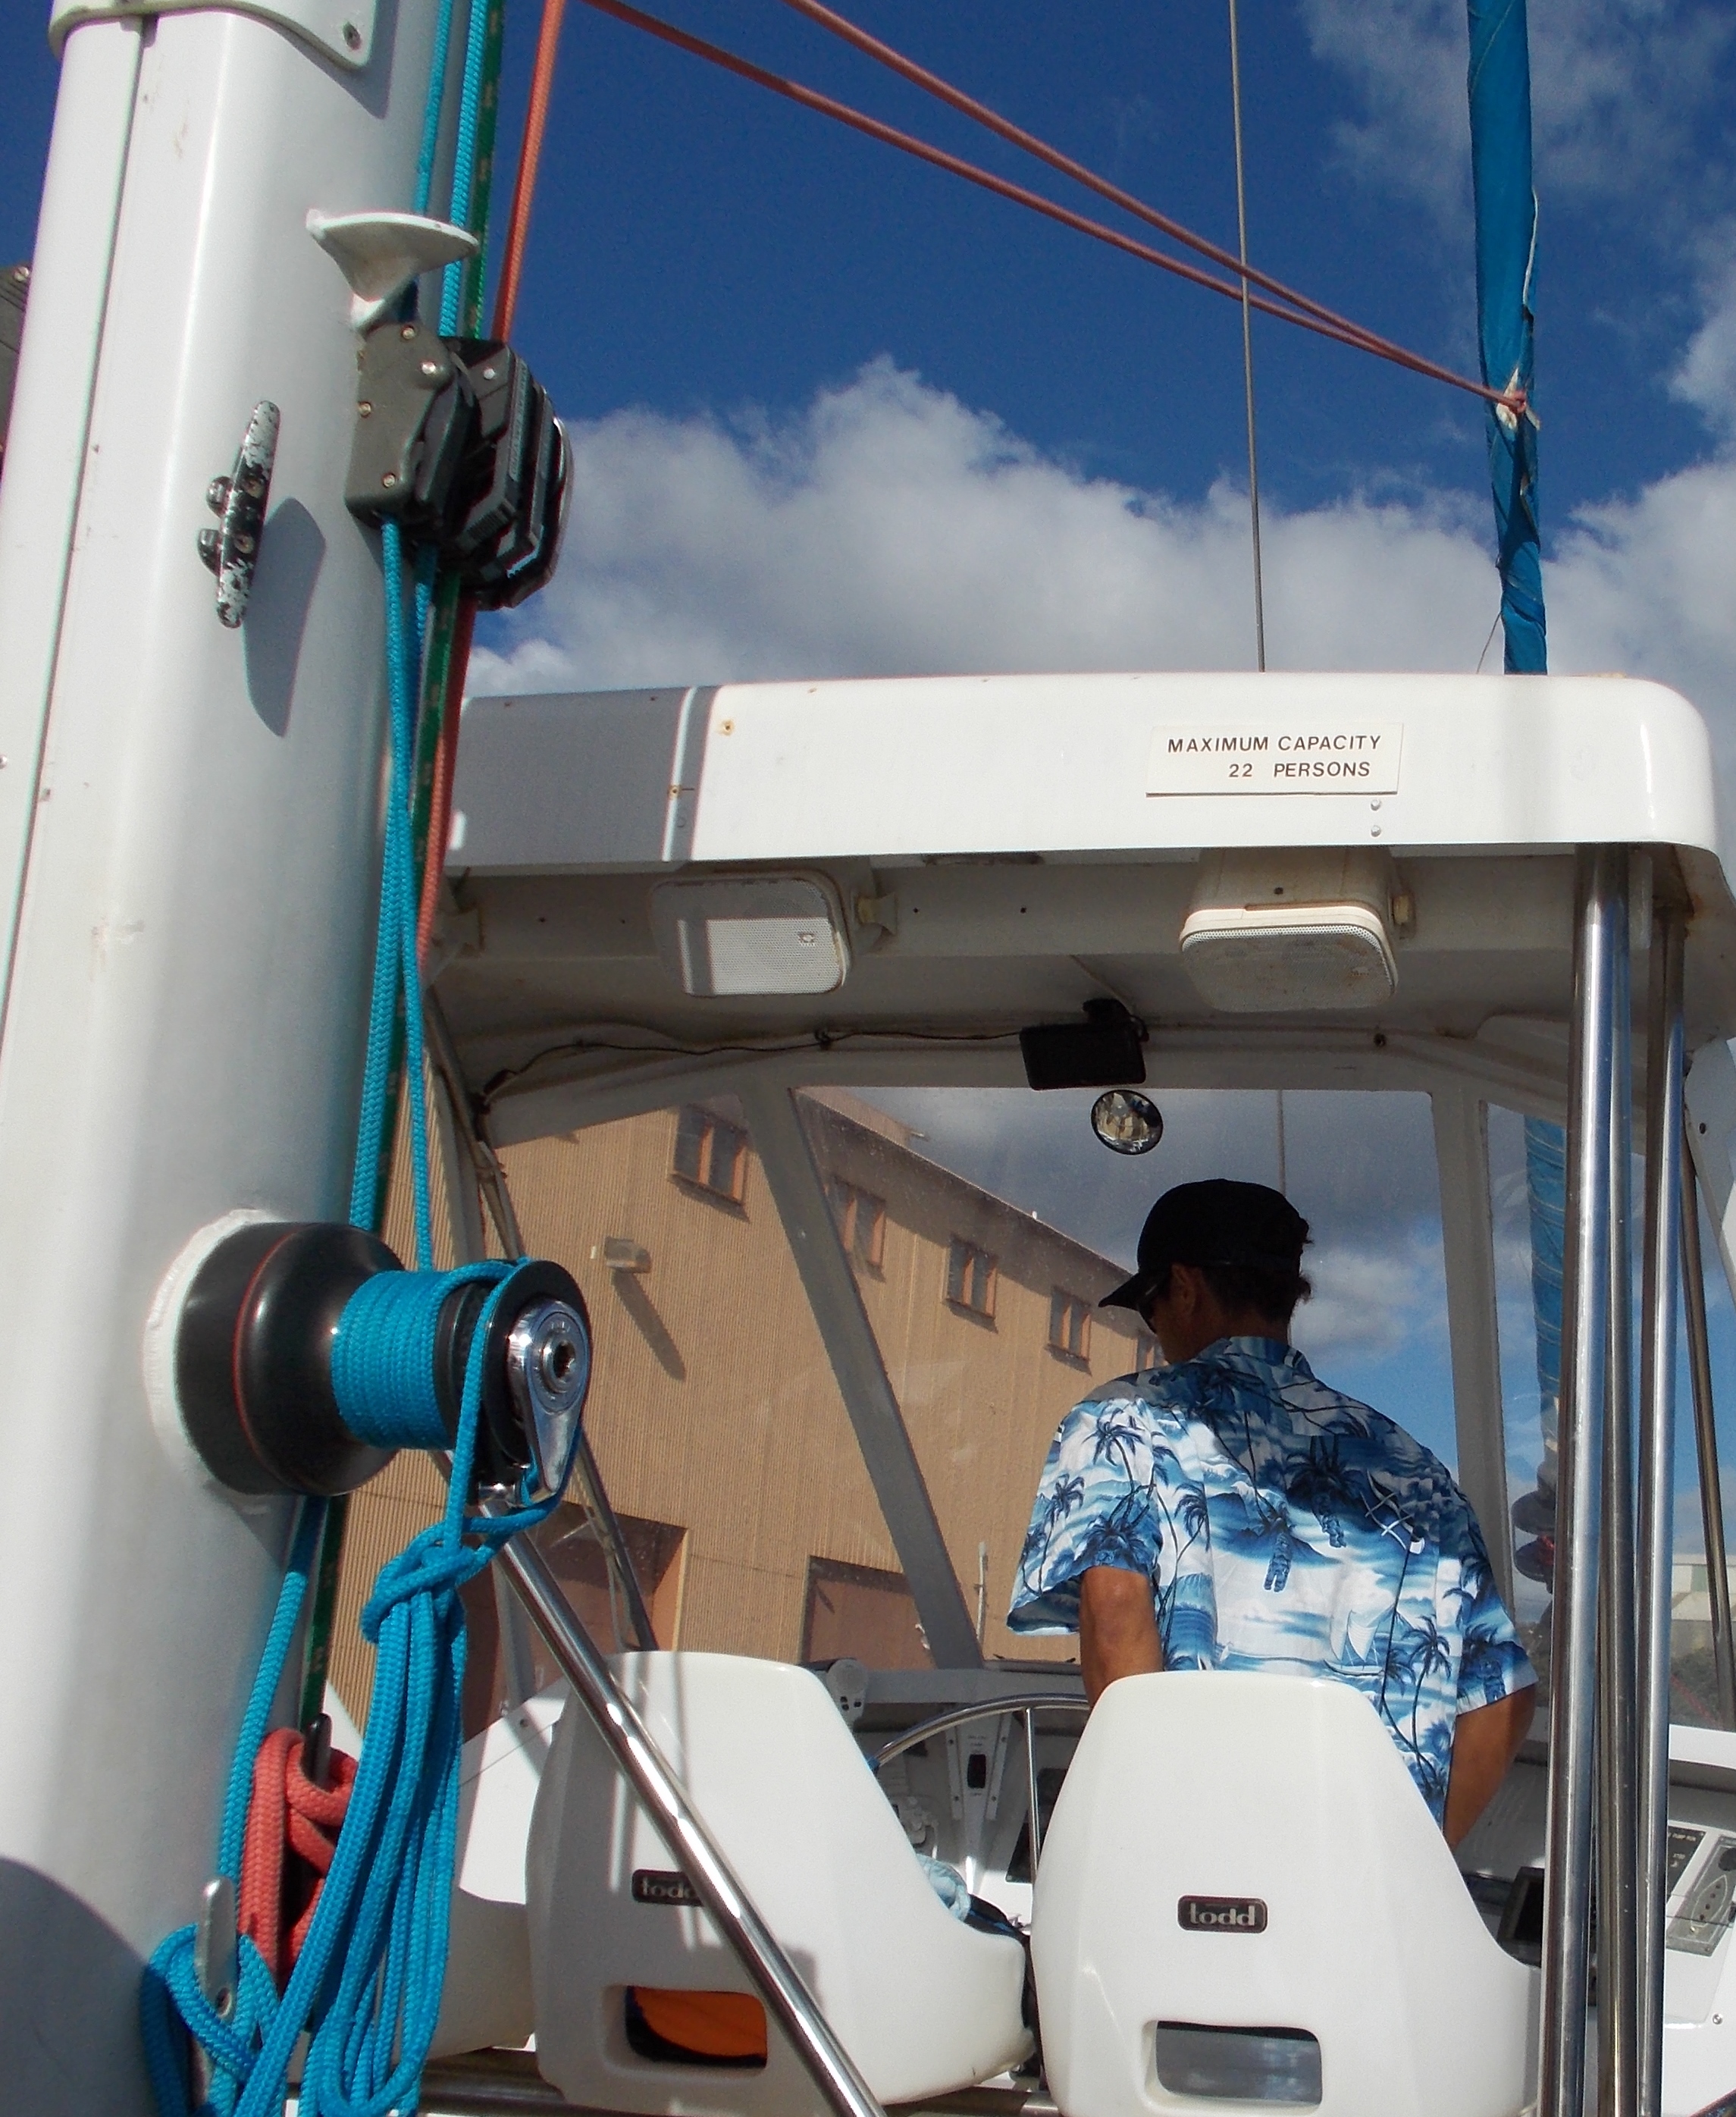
{"points": [[1282, 1526]]}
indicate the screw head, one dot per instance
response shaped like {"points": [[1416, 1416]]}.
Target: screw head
{"points": [[364, 410], [431, 367], [390, 479], [407, 332]]}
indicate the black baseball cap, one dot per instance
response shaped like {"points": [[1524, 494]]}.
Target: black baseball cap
{"points": [[1215, 1222]]}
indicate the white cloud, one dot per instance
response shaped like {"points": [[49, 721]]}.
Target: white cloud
{"points": [[1617, 89], [1369, 1302], [1705, 376], [889, 529]]}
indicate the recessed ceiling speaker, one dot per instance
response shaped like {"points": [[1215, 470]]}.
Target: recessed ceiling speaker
{"points": [[738, 938], [1284, 932]]}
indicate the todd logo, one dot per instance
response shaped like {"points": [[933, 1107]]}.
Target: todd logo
{"points": [[1221, 1914], [656, 1885]]}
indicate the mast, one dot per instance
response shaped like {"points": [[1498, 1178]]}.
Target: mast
{"points": [[1506, 206], [190, 821]]}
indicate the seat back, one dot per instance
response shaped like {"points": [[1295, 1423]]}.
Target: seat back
{"points": [[1241, 1853], [486, 1998], [922, 2002]]}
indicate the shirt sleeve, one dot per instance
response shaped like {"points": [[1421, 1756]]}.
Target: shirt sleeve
{"points": [[1493, 1665], [1097, 1505]]}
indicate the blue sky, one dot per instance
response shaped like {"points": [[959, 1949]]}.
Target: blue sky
{"points": [[837, 413]]}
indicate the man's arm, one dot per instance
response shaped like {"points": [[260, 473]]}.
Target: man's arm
{"points": [[1484, 1743], [1118, 1629]]}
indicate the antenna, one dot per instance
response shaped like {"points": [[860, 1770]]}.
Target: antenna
{"points": [[1247, 345]]}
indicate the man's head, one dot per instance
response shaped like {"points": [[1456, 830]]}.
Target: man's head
{"points": [[1217, 1259]]}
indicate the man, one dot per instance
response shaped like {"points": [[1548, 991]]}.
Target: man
{"points": [[1228, 1510]]}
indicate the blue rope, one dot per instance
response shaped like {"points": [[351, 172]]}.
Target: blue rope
{"points": [[367, 1982], [464, 162], [170, 1986], [431, 108], [382, 1368], [397, 973]]}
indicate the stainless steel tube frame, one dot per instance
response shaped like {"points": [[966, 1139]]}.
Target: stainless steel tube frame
{"points": [[961, 1716], [637, 1755], [1601, 915], [1706, 1443], [1617, 1761], [1662, 1276]]}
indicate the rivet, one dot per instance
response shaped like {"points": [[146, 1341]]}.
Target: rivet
{"points": [[431, 367], [364, 409], [728, 727], [1374, 804], [1375, 832], [352, 36], [488, 375], [407, 332], [390, 479]]}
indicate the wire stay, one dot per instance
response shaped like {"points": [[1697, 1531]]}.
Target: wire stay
{"points": [[1288, 307]]}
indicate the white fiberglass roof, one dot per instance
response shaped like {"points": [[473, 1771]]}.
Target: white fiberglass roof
{"points": [[1003, 849], [916, 766]]}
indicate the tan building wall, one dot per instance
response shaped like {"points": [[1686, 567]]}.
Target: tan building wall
{"points": [[713, 1407]]}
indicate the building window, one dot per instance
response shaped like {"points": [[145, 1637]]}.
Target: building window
{"points": [[970, 1278], [1070, 1325], [710, 1153], [862, 1221], [864, 1611]]}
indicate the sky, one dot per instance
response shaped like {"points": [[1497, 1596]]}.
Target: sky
{"points": [[837, 413]]}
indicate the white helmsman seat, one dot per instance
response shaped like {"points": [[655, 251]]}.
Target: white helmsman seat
{"points": [[922, 2003], [1284, 1794]]}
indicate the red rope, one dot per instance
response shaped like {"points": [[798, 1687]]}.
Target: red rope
{"points": [[506, 303], [288, 1814], [530, 156], [1306, 315]]}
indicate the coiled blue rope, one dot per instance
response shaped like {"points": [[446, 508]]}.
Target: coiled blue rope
{"points": [[170, 1986], [368, 1980]]}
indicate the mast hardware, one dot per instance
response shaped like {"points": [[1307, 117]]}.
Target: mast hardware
{"points": [[341, 29], [216, 1967], [239, 502], [253, 1364], [458, 443]]}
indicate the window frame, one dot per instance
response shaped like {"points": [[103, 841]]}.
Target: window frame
{"points": [[972, 1275]]}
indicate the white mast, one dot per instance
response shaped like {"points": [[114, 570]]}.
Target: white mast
{"points": [[189, 838]]}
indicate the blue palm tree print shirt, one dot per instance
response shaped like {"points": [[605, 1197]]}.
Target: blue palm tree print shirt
{"points": [[1282, 1526]]}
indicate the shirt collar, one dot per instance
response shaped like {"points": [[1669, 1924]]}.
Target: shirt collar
{"points": [[1261, 1352]]}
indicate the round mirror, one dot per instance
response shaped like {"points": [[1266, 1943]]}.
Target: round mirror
{"points": [[1125, 1122]]}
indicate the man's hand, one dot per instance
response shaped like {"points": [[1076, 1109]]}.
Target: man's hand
{"points": [[1484, 1743], [1117, 1629]]}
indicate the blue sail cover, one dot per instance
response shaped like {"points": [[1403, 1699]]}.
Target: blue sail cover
{"points": [[1500, 82]]}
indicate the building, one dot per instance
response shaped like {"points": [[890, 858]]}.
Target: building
{"points": [[714, 1414]]}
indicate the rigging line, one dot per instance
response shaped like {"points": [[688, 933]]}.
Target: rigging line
{"points": [[529, 159], [1247, 378], [506, 303], [1352, 335], [943, 90]]}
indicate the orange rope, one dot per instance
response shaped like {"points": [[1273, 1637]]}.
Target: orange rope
{"points": [[1307, 315], [530, 155]]}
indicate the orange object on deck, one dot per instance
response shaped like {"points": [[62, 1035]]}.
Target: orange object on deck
{"points": [[728, 2025]]}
